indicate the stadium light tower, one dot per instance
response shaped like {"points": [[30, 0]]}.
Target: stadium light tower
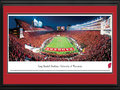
{"points": [[37, 23], [40, 24]]}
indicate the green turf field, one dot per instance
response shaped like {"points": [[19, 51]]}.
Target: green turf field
{"points": [[61, 42]]}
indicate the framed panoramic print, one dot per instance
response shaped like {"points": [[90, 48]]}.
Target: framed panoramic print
{"points": [[60, 43]]}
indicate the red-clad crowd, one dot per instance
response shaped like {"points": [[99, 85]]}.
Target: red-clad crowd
{"points": [[98, 47]]}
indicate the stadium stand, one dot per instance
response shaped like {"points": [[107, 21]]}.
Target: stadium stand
{"points": [[28, 27], [97, 49]]}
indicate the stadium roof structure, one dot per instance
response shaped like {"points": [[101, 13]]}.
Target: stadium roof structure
{"points": [[29, 28]]}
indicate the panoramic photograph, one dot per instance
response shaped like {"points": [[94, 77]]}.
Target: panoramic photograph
{"points": [[59, 37]]}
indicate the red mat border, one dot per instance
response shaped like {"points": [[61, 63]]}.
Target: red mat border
{"points": [[59, 78]]}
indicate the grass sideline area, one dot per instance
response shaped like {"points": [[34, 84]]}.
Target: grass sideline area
{"points": [[61, 42]]}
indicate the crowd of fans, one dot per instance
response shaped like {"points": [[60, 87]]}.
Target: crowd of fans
{"points": [[98, 47]]}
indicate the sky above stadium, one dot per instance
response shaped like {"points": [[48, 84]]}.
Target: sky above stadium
{"points": [[52, 21]]}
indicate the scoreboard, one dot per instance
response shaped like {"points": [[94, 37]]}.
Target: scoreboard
{"points": [[60, 28]]}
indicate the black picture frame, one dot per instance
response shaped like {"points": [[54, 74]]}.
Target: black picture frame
{"points": [[59, 3]]}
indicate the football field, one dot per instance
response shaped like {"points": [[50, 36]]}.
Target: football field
{"points": [[60, 45]]}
